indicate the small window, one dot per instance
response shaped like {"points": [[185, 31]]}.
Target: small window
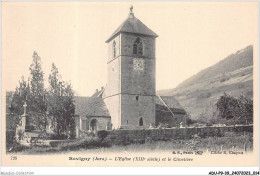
{"points": [[137, 97], [135, 48], [141, 123], [114, 49]]}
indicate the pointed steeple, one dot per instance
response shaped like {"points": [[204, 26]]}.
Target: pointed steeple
{"points": [[134, 26]]}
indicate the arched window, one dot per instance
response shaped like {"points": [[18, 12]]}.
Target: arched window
{"points": [[114, 48], [141, 123], [138, 47], [93, 125]]}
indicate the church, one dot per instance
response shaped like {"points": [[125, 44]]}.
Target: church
{"points": [[129, 100]]}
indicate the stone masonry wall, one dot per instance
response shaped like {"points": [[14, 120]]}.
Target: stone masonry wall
{"points": [[137, 81], [135, 136], [132, 110]]}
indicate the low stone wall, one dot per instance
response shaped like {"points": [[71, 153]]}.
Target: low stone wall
{"points": [[140, 136]]}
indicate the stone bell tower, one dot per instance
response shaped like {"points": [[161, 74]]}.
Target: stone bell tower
{"points": [[130, 90]]}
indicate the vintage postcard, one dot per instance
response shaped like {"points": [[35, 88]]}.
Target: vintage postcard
{"points": [[129, 84]]}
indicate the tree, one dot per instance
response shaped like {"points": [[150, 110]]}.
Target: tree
{"points": [[61, 107], [55, 104], [19, 97], [235, 110], [246, 109], [37, 94]]}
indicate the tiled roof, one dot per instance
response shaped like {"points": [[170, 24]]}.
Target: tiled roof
{"points": [[133, 25], [90, 106], [95, 106], [170, 102]]}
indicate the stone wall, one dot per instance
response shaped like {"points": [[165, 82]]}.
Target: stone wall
{"points": [[133, 110], [137, 81], [139, 136]]}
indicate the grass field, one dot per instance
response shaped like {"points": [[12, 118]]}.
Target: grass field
{"points": [[94, 145]]}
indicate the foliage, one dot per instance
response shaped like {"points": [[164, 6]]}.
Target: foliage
{"points": [[60, 104], [19, 96], [37, 94], [11, 144], [190, 121], [54, 105], [102, 134], [10, 138], [235, 110]]}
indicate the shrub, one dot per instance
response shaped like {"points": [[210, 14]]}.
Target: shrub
{"points": [[191, 121], [235, 110], [10, 139], [102, 134], [11, 144]]}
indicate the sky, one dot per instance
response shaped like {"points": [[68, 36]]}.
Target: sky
{"points": [[192, 36]]}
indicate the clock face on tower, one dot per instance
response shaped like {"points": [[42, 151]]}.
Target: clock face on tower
{"points": [[138, 64]]}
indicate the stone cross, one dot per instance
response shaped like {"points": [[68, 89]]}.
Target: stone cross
{"points": [[24, 106]]}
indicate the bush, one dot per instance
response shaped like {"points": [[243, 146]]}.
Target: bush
{"points": [[10, 139], [11, 144], [235, 110], [191, 121], [102, 134]]}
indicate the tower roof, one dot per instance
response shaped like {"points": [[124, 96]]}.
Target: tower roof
{"points": [[132, 25]]}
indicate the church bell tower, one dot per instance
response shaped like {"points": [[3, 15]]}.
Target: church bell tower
{"points": [[130, 91]]}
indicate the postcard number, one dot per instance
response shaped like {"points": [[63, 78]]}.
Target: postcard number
{"points": [[14, 158]]}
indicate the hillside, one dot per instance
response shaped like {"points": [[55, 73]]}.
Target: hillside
{"points": [[199, 93]]}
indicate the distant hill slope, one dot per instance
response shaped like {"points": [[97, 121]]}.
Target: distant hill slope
{"points": [[199, 93]]}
